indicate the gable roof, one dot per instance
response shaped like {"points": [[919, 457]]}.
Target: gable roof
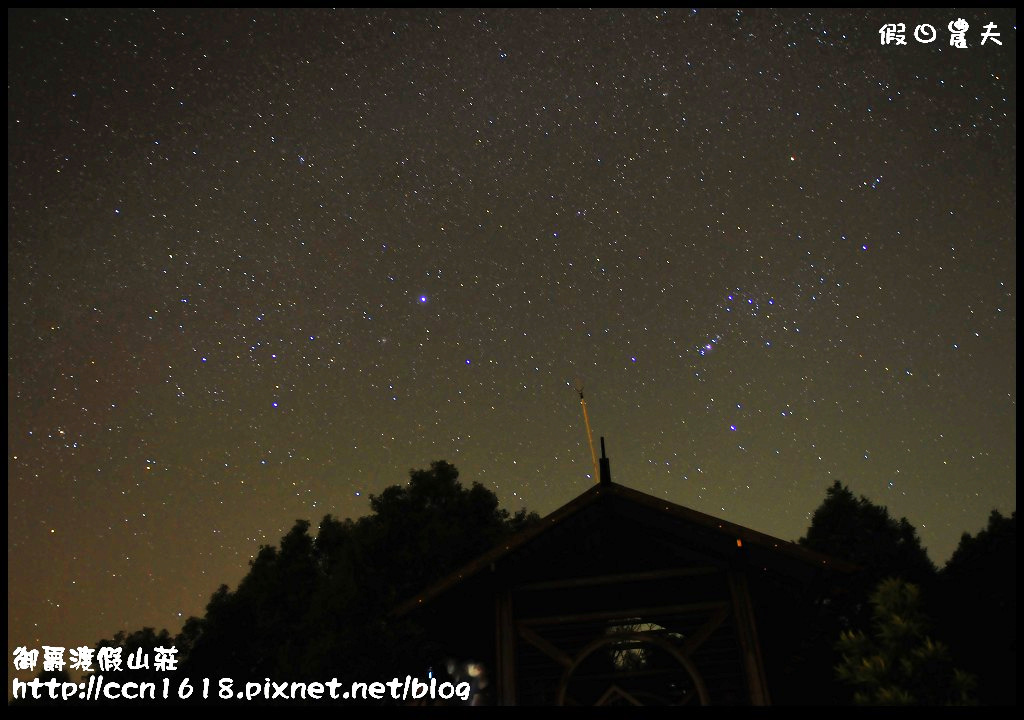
{"points": [[715, 537]]}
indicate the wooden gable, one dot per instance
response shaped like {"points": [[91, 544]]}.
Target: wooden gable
{"points": [[621, 598]]}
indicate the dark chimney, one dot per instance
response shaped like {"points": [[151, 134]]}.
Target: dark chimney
{"points": [[606, 469]]}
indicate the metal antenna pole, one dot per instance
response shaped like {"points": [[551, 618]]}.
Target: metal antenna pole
{"points": [[590, 435]]}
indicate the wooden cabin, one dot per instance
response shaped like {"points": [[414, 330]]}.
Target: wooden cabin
{"points": [[619, 597]]}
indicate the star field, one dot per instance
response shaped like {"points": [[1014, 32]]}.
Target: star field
{"points": [[262, 263]]}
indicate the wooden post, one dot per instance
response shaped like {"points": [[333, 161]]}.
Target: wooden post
{"points": [[505, 648], [746, 631]]}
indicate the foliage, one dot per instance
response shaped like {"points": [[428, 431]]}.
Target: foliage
{"points": [[319, 606], [977, 607], [862, 532], [980, 555], [897, 663]]}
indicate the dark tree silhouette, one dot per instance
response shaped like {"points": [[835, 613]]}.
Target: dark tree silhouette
{"points": [[978, 607], [431, 525], [314, 608], [862, 532], [319, 607], [859, 531]]}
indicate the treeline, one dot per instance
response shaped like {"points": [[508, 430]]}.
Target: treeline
{"points": [[910, 633], [318, 605], [900, 631]]}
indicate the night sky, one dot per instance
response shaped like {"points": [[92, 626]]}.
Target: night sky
{"points": [[262, 264]]}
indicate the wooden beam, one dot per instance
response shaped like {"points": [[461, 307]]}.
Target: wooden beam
{"points": [[543, 645], [624, 577], [705, 631], [614, 692], [624, 613]]}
